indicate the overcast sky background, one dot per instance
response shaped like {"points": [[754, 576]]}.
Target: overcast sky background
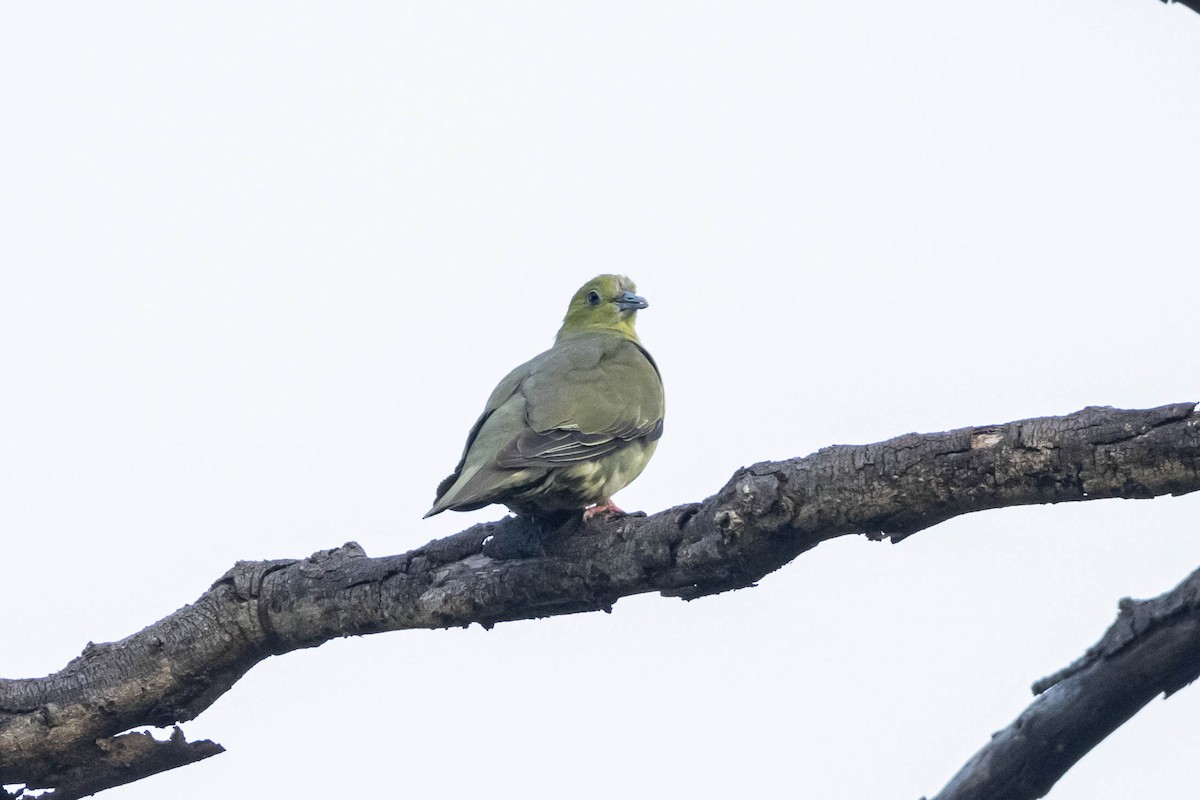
{"points": [[262, 264]]}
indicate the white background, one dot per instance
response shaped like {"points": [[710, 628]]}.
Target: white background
{"points": [[262, 265]]}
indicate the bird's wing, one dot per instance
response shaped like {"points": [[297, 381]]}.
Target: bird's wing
{"points": [[589, 396], [478, 480], [497, 429]]}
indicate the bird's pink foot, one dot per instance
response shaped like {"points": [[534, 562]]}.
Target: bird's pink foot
{"points": [[606, 509]]}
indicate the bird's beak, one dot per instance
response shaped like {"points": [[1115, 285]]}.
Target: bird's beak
{"points": [[628, 301]]}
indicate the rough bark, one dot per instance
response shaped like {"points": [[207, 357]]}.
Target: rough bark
{"points": [[765, 516], [127, 758], [1153, 648]]}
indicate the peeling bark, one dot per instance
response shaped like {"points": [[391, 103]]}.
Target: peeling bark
{"points": [[765, 516]]}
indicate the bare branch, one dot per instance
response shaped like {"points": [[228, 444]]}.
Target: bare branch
{"points": [[1152, 648], [765, 516], [127, 758], [1194, 5]]}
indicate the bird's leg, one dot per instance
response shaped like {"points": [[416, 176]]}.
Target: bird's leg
{"points": [[607, 508]]}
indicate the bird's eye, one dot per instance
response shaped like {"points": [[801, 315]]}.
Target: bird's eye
{"points": [[593, 298]]}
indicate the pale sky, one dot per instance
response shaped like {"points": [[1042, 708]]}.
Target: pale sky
{"points": [[263, 263]]}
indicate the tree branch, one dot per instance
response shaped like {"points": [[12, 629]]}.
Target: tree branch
{"points": [[765, 516], [1194, 5], [127, 758], [1153, 647]]}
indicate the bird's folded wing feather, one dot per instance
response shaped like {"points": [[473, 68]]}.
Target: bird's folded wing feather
{"points": [[589, 397]]}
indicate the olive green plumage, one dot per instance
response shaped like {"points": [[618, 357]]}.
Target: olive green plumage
{"points": [[572, 426]]}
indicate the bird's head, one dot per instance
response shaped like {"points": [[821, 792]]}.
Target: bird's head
{"points": [[605, 303]]}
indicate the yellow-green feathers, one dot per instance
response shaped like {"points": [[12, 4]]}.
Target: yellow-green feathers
{"points": [[607, 303], [572, 426]]}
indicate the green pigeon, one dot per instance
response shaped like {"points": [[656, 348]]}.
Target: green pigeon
{"points": [[570, 427]]}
